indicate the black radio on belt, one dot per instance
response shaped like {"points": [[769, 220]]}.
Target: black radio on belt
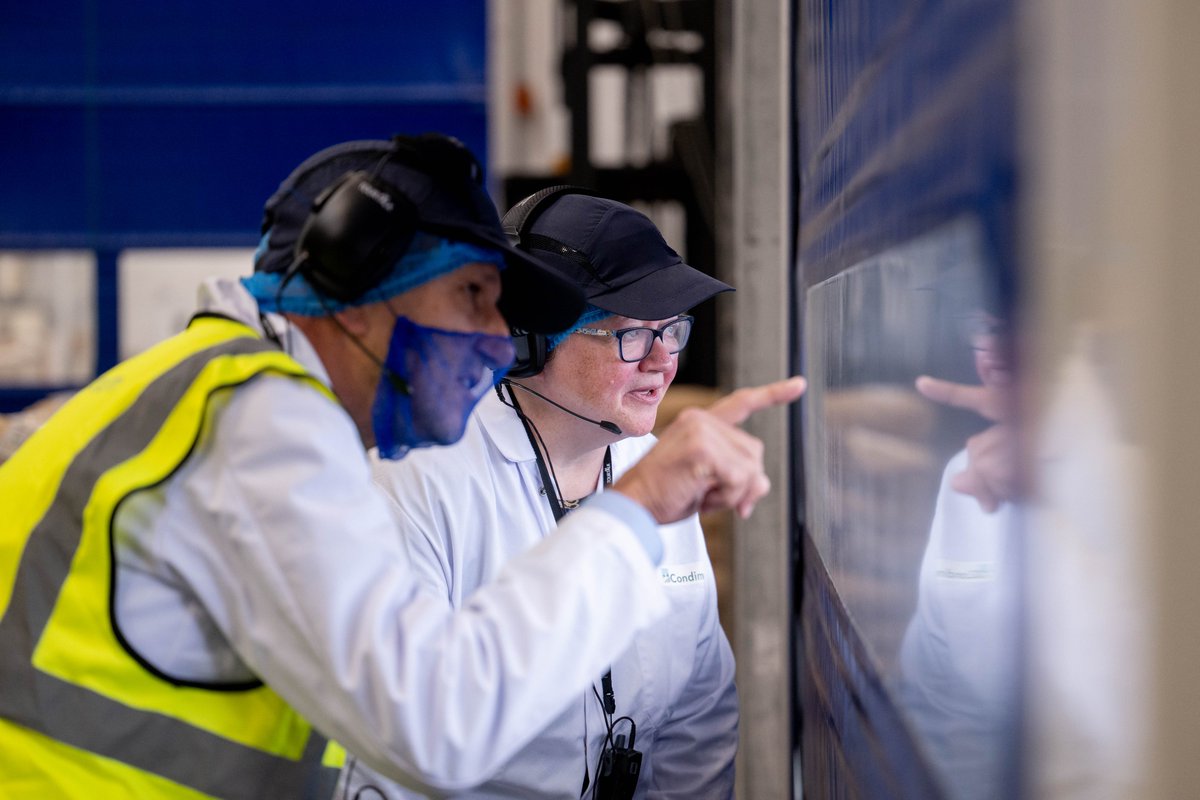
{"points": [[618, 771], [619, 767]]}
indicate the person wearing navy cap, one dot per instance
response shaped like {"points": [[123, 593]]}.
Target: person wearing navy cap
{"points": [[573, 416], [204, 594]]}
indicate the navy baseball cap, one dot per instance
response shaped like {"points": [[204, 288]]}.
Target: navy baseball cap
{"points": [[610, 250], [444, 183]]}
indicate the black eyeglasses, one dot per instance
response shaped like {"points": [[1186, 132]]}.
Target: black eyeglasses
{"points": [[634, 344]]}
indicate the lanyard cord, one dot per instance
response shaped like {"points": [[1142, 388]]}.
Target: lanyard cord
{"points": [[559, 509], [558, 504]]}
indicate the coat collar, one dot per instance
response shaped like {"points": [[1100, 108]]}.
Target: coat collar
{"points": [[230, 299], [503, 427]]}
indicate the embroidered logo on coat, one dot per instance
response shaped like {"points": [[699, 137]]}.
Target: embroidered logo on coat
{"points": [[948, 570], [684, 574]]}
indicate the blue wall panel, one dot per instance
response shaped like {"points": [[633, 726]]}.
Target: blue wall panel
{"points": [[138, 175], [43, 169], [71, 45], [137, 123], [168, 124]]}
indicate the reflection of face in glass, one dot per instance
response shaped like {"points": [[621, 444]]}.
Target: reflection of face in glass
{"points": [[989, 340]]}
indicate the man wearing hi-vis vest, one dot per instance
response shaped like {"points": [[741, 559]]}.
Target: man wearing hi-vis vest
{"points": [[203, 595]]}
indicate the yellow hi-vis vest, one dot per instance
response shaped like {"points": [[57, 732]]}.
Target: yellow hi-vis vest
{"points": [[81, 715]]}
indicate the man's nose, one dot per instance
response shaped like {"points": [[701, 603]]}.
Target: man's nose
{"points": [[495, 324]]}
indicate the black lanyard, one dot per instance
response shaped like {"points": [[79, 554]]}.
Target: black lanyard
{"points": [[550, 489], [549, 485]]}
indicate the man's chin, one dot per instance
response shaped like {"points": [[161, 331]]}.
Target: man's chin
{"points": [[446, 434]]}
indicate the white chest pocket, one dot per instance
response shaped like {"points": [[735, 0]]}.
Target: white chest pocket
{"points": [[666, 653]]}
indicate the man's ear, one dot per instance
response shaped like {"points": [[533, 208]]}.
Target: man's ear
{"points": [[355, 319]]}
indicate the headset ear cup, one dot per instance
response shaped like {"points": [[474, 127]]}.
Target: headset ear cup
{"points": [[356, 231], [530, 354]]}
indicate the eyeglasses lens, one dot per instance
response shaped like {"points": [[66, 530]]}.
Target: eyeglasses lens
{"points": [[675, 335], [637, 342]]}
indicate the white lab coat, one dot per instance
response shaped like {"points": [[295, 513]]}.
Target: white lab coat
{"points": [[271, 553], [958, 660], [471, 508]]}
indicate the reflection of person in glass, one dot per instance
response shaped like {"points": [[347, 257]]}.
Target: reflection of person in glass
{"points": [[989, 470], [958, 659]]}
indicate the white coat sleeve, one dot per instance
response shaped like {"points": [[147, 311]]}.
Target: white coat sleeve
{"points": [[694, 749], [427, 546], [300, 564]]}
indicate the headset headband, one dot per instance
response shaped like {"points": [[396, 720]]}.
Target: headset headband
{"points": [[520, 218], [360, 225], [531, 348]]}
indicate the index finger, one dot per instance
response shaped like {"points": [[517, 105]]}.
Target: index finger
{"points": [[736, 407], [959, 395]]}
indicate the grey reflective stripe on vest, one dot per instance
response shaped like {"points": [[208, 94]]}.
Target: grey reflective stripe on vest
{"points": [[149, 741]]}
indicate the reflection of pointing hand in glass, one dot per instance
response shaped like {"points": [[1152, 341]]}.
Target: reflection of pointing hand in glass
{"points": [[992, 476]]}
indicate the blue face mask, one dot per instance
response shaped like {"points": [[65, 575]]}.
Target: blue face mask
{"points": [[433, 380]]}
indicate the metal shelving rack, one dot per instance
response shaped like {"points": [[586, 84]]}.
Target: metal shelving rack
{"points": [[686, 174]]}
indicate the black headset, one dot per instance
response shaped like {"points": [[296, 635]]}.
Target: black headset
{"points": [[531, 347], [361, 225]]}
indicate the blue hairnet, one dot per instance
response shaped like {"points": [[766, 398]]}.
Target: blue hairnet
{"points": [[590, 314], [428, 257]]}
